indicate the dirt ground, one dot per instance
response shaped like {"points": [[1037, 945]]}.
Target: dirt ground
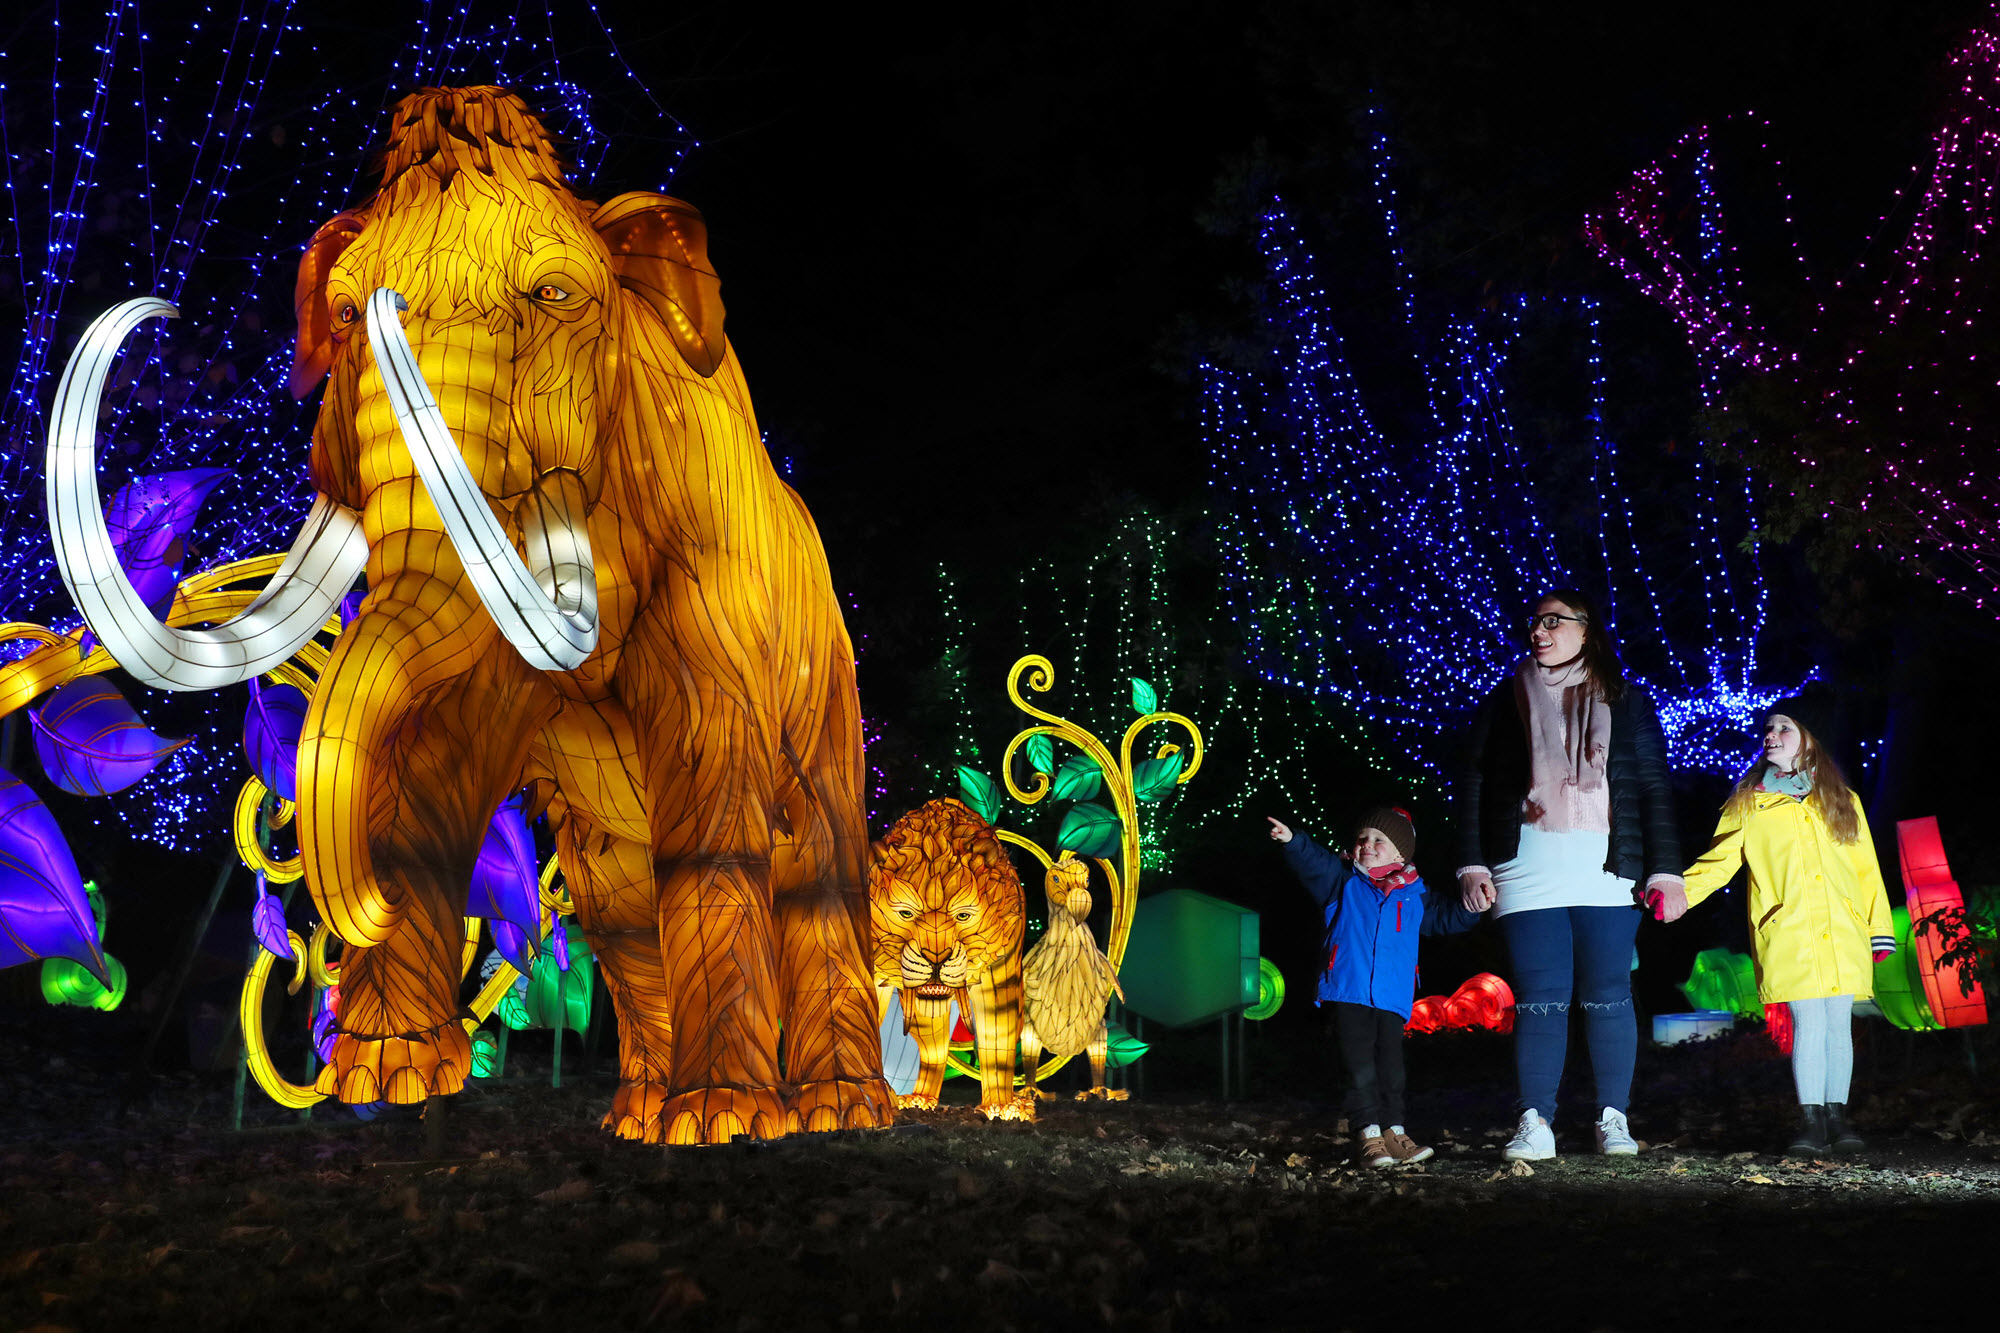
{"points": [[126, 1203]]}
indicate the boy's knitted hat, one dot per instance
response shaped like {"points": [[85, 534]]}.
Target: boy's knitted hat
{"points": [[1395, 824]]}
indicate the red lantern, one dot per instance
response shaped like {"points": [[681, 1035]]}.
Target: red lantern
{"points": [[1929, 889]]}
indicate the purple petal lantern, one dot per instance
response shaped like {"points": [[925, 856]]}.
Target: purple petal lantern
{"points": [[267, 918], [44, 909], [505, 885], [272, 726], [149, 519], [90, 741]]}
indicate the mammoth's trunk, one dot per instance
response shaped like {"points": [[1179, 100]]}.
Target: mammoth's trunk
{"points": [[298, 602]]}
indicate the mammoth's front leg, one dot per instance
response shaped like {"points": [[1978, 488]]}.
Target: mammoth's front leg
{"points": [[414, 736], [706, 750], [833, 1038]]}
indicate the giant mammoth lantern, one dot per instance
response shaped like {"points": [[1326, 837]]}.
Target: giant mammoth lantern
{"points": [[583, 578]]}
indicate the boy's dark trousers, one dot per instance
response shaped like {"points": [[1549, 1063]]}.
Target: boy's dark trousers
{"points": [[1371, 1046]]}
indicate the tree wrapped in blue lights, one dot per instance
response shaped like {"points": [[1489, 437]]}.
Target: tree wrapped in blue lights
{"points": [[1382, 545], [189, 154]]}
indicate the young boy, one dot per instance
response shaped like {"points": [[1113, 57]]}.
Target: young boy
{"points": [[1376, 907]]}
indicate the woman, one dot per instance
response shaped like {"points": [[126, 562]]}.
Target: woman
{"points": [[1819, 912], [1563, 808]]}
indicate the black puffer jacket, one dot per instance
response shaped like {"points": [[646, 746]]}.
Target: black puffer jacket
{"points": [[1494, 782]]}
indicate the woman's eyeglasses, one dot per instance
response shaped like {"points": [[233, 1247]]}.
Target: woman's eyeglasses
{"points": [[1551, 622]]}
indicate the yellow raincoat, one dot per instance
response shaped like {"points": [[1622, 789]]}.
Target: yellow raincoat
{"points": [[1815, 904]]}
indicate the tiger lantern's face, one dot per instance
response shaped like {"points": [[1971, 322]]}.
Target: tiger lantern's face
{"points": [[946, 905]]}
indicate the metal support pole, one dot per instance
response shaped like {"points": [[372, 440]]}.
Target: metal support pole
{"points": [[173, 992]]}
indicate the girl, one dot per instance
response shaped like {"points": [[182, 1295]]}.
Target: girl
{"points": [[1819, 914], [1564, 809], [1375, 906]]}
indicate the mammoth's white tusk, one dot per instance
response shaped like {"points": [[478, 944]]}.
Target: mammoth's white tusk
{"points": [[551, 635], [328, 554]]}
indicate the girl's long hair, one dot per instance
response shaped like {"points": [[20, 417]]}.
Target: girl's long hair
{"points": [[1830, 798], [1600, 650]]}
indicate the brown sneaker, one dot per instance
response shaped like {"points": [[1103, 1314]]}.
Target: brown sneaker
{"points": [[1375, 1152], [1403, 1148]]}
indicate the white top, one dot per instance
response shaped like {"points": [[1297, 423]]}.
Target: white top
{"points": [[1559, 870]]}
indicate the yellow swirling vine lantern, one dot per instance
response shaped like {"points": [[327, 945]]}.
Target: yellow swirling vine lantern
{"points": [[585, 579], [1087, 829]]}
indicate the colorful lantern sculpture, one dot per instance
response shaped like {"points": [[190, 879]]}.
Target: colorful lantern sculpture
{"points": [[1726, 980], [1928, 890], [949, 915], [1067, 981], [92, 743], [662, 661], [1482, 1001], [45, 911], [66, 981]]}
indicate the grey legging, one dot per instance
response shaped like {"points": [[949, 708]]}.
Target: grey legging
{"points": [[1823, 1049]]}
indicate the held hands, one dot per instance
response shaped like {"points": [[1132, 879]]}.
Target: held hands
{"points": [[1668, 901], [1476, 891], [1279, 832]]}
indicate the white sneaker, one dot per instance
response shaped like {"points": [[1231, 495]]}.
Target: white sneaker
{"points": [[1613, 1138], [1534, 1141]]}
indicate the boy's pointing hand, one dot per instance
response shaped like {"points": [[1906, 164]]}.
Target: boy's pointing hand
{"points": [[1279, 831]]}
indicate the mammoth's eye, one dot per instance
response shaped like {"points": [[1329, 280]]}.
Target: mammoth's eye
{"points": [[548, 291]]}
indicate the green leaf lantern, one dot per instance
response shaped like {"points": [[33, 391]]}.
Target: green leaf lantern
{"points": [[1156, 777], [1089, 830], [981, 793], [1041, 754], [1122, 1048], [485, 1054], [1078, 779], [65, 981], [1144, 698]]}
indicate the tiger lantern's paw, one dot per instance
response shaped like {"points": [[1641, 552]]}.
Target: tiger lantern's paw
{"points": [[1018, 1107], [718, 1115], [845, 1103], [1104, 1094], [916, 1101], [403, 1070], [635, 1111]]}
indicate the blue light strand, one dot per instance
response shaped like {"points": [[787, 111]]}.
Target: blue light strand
{"points": [[1386, 575]]}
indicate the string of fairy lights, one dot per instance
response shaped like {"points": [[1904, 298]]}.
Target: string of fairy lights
{"points": [[191, 154], [1896, 362]]}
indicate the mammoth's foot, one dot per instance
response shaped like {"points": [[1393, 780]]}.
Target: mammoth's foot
{"points": [[717, 1115], [1021, 1106], [1104, 1094], [635, 1111], [403, 1069], [845, 1103]]}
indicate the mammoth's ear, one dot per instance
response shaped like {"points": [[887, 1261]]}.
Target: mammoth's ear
{"points": [[312, 356], [659, 250]]}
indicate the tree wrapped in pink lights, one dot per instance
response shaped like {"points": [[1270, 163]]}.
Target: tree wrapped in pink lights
{"points": [[1871, 416]]}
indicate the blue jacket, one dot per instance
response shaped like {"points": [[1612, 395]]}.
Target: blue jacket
{"points": [[1371, 936]]}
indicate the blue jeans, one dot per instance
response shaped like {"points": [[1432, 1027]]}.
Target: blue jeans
{"points": [[1557, 952]]}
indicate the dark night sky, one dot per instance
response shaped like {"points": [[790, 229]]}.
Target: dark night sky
{"points": [[964, 257]]}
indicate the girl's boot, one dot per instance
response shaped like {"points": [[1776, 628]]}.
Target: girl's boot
{"points": [[1839, 1132], [1812, 1140]]}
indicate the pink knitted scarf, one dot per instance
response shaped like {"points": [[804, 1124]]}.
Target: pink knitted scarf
{"points": [[1569, 738]]}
